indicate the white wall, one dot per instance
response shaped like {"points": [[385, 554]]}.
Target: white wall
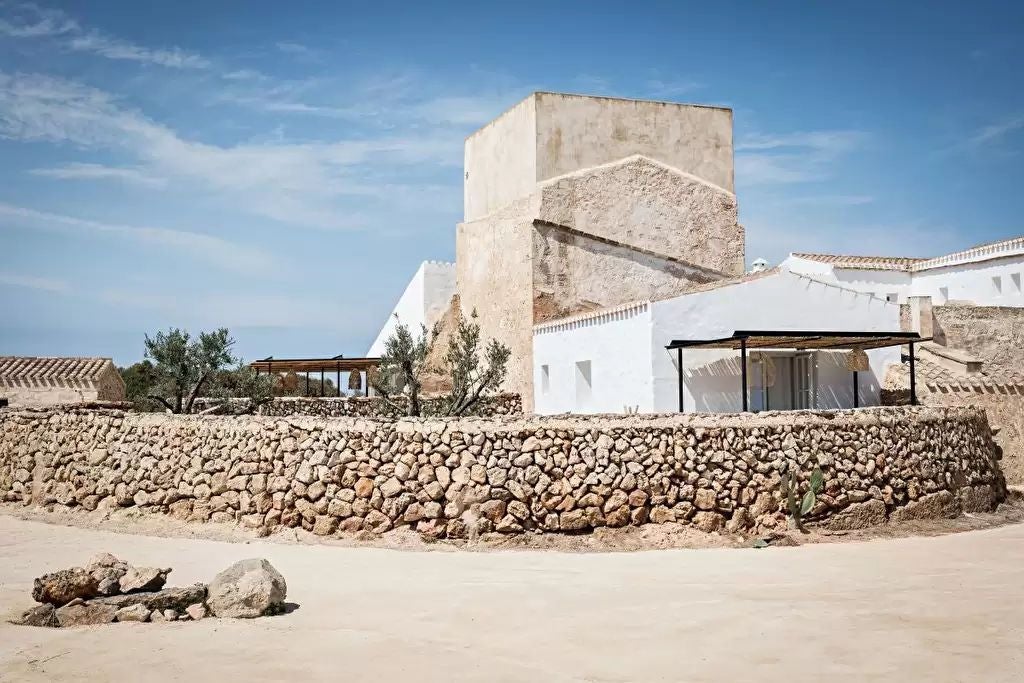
{"points": [[616, 343], [781, 301], [973, 282], [966, 281], [425, 298], [878, 282]]}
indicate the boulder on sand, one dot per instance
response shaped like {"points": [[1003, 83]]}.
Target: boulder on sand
{"points": [[247, 589], [40, 615], [61, 587], [139, 579], [86, 614], [169, 598]]}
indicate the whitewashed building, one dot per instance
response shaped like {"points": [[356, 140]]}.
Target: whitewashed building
{"points": [[986, 275], [423, 302], [615, 360]]}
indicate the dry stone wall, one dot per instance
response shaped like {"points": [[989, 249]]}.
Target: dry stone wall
{"points": [[460, 477], [498, 404]]}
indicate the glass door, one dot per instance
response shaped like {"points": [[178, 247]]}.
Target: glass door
{"points": [[803, 381]]}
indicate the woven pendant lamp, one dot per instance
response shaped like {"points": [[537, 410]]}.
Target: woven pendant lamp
{"points": [[355, 380], [857, 360]]}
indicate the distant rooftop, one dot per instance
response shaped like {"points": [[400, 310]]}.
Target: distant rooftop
{"points": [[906, 264], [51, 369], [862, 262]]}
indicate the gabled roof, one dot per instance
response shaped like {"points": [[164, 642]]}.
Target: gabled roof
{"points": [[901, 263], [52, 369]]}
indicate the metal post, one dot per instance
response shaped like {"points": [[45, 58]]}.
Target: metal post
{"points": [[856, 390], [913, 377], [321, 382], [679, 361], [306, 393], [743, 370], [338, 366]]}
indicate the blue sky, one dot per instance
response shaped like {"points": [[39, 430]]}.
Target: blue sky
{"points": [[282, 168]]}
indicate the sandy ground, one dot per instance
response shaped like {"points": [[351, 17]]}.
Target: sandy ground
{"points": [[942, 608]]}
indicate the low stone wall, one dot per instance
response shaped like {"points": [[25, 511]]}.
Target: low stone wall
{"points": [[463, 476], [360, 406], [1005, 409]]}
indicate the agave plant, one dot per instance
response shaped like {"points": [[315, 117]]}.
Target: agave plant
{"points": [[799, 508]]}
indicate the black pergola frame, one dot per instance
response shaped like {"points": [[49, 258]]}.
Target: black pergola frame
{"points": [[336, 364], [799, 340]]}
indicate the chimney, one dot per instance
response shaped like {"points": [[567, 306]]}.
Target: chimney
{"points": [[921, 320]]}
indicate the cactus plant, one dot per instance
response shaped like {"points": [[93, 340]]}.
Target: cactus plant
{"points": [[797, 509]]}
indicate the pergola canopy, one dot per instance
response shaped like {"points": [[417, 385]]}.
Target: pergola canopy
{"points": [[801, 340], [335, 364]]}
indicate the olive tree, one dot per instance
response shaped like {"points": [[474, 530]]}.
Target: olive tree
{"points": [[474, 367], [183, 367]]}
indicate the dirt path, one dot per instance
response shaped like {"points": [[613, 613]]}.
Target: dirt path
{"points": [[945, 608]]}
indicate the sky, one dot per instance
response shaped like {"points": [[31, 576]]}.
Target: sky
{"points": [[282, 168]]}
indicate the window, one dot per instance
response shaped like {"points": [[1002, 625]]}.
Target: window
{"points": [[943, 294], [583, 383], [1015, 279], [545, 379], [997, 285]]}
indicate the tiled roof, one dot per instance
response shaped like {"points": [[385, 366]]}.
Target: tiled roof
{"points": [[932, 374], [902, 263], [21, 368], [907, 264]]}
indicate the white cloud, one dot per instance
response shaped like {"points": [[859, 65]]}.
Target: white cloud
{"points": [[114, 48], [83, 171], [212, 250], [31, 21], [792, 157], [28, 20], [996, 131], [33, 282], [297, 183], [657, 87]]}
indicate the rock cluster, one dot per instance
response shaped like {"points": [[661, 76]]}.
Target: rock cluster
{"points": [[460, 477], [359, 406], [70, 597]]}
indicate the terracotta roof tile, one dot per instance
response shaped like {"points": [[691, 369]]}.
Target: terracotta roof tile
{"points": [[901, 263], [40, 368], [930, 373]]}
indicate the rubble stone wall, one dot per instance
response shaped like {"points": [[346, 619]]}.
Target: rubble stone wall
{"points": [[499, 404], [993, 333], [1005, 409], [458, 477]]}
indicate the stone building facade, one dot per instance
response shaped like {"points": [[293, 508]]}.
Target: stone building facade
{"points": [[578, 203], [976, 359], [35, 381]]}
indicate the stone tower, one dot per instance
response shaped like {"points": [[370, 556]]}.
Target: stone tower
{"points": [[574, 203]]}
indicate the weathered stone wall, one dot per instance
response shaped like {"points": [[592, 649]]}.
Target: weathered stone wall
{"points": [[284, 406], [1005, 409], [994, 334], [495, 279], [574, 273], [458, 477], [645, 204]]}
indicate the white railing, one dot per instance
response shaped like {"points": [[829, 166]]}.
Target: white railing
{"points": [[1010, 247]]}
